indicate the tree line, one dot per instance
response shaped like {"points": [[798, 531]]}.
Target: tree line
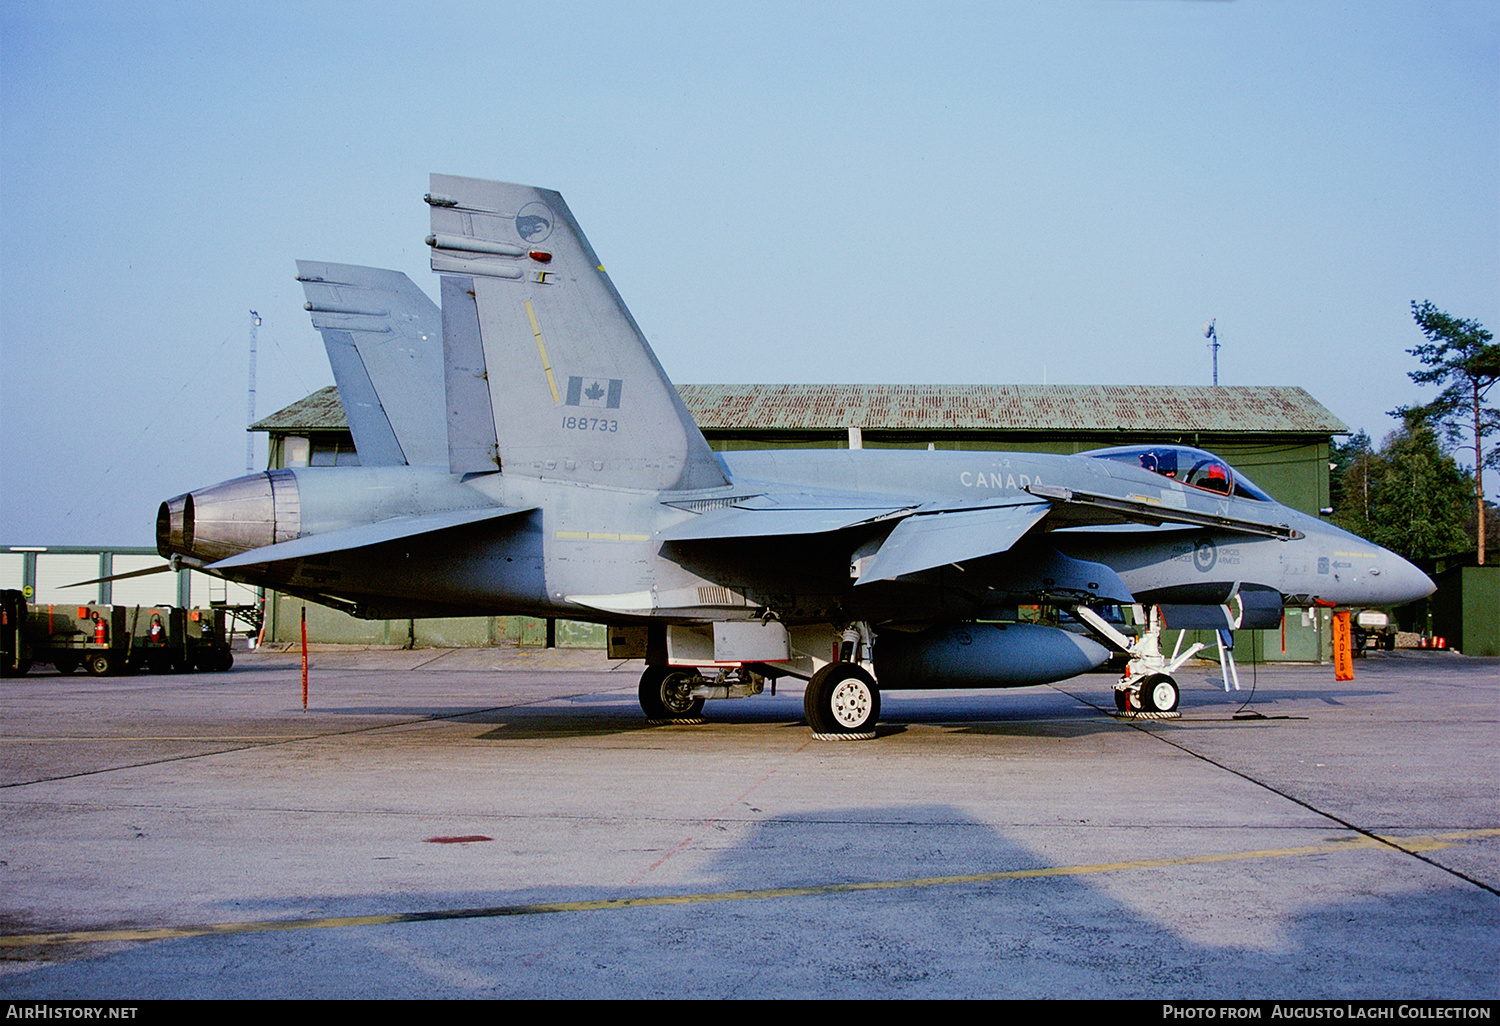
{"points": [[1411, 495]]}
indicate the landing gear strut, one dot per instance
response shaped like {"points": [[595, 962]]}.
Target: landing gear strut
{"points": [[675, 694], [1147, 687]]}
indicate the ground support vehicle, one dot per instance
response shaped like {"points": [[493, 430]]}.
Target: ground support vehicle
{"points": [[111, 639]]}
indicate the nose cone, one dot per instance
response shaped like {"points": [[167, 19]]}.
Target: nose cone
{"points": [[1399, 582]]}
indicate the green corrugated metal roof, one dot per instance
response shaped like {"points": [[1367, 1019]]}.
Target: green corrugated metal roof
{"points": [[1146, 409], [1136, 408]]}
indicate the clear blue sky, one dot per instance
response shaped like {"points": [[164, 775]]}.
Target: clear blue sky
{"points": [[998, 192]]}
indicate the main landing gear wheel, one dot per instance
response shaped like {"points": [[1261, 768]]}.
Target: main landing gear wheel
{"points": [[842, 703], [666, 696], [1159, 694]]}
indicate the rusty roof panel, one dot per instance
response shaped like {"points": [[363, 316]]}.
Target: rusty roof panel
{"points": [[320, 411], [1134, 408], [1144, 409]]}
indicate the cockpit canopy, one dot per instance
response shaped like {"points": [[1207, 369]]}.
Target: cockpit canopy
{"points": [[1185, 464]]}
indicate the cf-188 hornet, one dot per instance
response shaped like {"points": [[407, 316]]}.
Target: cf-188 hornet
{"points": [[523, 452]]}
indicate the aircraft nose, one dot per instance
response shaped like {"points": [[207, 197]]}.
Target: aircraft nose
{"points": [[1400, 582]]}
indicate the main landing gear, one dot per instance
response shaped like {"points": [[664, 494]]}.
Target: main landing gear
{"points": [[1157, 693], [842, 702]]}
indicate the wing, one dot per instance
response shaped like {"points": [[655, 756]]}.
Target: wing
{"points": [[927, 536], [384, 341]]}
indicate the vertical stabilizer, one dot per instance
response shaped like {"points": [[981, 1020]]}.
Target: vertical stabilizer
{"points": [[575, 392], [384, 342]]}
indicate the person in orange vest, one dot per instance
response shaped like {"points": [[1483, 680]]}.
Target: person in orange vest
{"points": [[101, 632]]}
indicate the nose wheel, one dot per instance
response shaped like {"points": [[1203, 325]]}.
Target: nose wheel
{"points": [[1157, 693]]}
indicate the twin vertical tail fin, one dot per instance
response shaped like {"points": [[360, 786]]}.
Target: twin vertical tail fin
{"points": [[383, 337], [547, 374]]}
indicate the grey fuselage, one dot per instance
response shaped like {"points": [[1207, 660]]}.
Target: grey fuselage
{"points": [[600, 553]]}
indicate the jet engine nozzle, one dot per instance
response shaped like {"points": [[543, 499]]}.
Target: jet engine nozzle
{"points": [[229, 518], [983, 655]]}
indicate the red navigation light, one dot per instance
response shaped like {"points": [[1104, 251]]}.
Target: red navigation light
{"points": [[541, 256]]}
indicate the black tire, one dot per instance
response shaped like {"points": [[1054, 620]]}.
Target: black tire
{"points": [[664, 695], [842, 703], [1159, 693], [64, 665], [1122, 700], [100, 663]]}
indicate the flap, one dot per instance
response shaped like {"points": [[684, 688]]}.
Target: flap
{"points": [[928, 540]]}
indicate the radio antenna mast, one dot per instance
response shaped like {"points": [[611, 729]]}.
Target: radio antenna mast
{"points": [[1212, 334], [250, 408]]}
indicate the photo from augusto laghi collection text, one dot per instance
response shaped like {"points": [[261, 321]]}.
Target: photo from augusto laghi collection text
{"points": [[1332, 1010]]}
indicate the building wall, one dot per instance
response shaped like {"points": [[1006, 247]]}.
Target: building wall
{"points": [[43, 573]]}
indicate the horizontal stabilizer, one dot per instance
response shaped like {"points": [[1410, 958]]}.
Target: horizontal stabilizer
{"points": [[928, 540], [161, 569], [365, 534], [384, 338]]}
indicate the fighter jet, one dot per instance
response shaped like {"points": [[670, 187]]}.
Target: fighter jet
{"points": [[572, 482]]}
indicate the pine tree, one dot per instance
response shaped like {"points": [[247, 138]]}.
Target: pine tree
{"points": [[1461, 356]]}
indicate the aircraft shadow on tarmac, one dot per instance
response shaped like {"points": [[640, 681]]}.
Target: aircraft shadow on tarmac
{"points": [[868, 907], [1053, 711], [601, 715]]}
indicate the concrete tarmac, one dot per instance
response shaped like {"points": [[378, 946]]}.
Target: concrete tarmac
{"points": [[503, 824]]}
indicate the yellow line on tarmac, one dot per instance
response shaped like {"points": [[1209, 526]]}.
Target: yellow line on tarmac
{"points": [[166, 737], [1425, 842]]}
